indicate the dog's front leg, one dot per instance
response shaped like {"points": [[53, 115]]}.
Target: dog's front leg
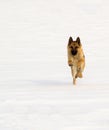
{"points": [[80, 68], [70, 59], [70, 62], [81, 65]]}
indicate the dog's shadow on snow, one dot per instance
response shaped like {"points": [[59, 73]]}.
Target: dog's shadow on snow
{"points": [[47, 83]]}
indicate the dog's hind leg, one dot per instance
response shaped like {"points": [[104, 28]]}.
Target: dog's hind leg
{"points": [[74, 73]]}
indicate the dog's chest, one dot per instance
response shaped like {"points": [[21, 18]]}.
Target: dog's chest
{"points": [[75, 59]]}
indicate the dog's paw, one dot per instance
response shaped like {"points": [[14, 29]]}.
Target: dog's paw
{"points": [[70, 63], [79, 74]]}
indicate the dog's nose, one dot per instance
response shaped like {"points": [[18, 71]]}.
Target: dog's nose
{"points": [[74, 52]]}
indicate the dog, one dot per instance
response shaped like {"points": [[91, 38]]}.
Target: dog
{"points": [[76, 58]]}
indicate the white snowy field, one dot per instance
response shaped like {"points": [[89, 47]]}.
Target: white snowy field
{"points": [[36, 90]]}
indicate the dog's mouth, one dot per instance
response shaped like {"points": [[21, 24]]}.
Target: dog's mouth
{"points": [[73, 52]]}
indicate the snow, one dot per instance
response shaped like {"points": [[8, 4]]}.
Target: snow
{"points": [[36, 90]]}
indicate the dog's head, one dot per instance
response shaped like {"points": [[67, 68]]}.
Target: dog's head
{"points": [[73, 46]]}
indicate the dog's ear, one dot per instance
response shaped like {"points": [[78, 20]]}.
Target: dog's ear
{"points": [[78, 41], [70, 40]]}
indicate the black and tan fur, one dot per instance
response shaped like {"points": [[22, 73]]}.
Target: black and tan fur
{"points": [[76, 58]]}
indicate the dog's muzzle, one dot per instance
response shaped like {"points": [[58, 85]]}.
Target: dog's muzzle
{"points": [[74, 52]]}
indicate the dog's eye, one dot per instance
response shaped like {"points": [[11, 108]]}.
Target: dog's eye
{"points": [[71, 47], [76, 47]]}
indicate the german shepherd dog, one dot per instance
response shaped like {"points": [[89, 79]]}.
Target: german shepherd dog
{"points": [[76, 58]]}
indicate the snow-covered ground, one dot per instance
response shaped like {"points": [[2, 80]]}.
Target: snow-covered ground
{"points": [[36, 90]]}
